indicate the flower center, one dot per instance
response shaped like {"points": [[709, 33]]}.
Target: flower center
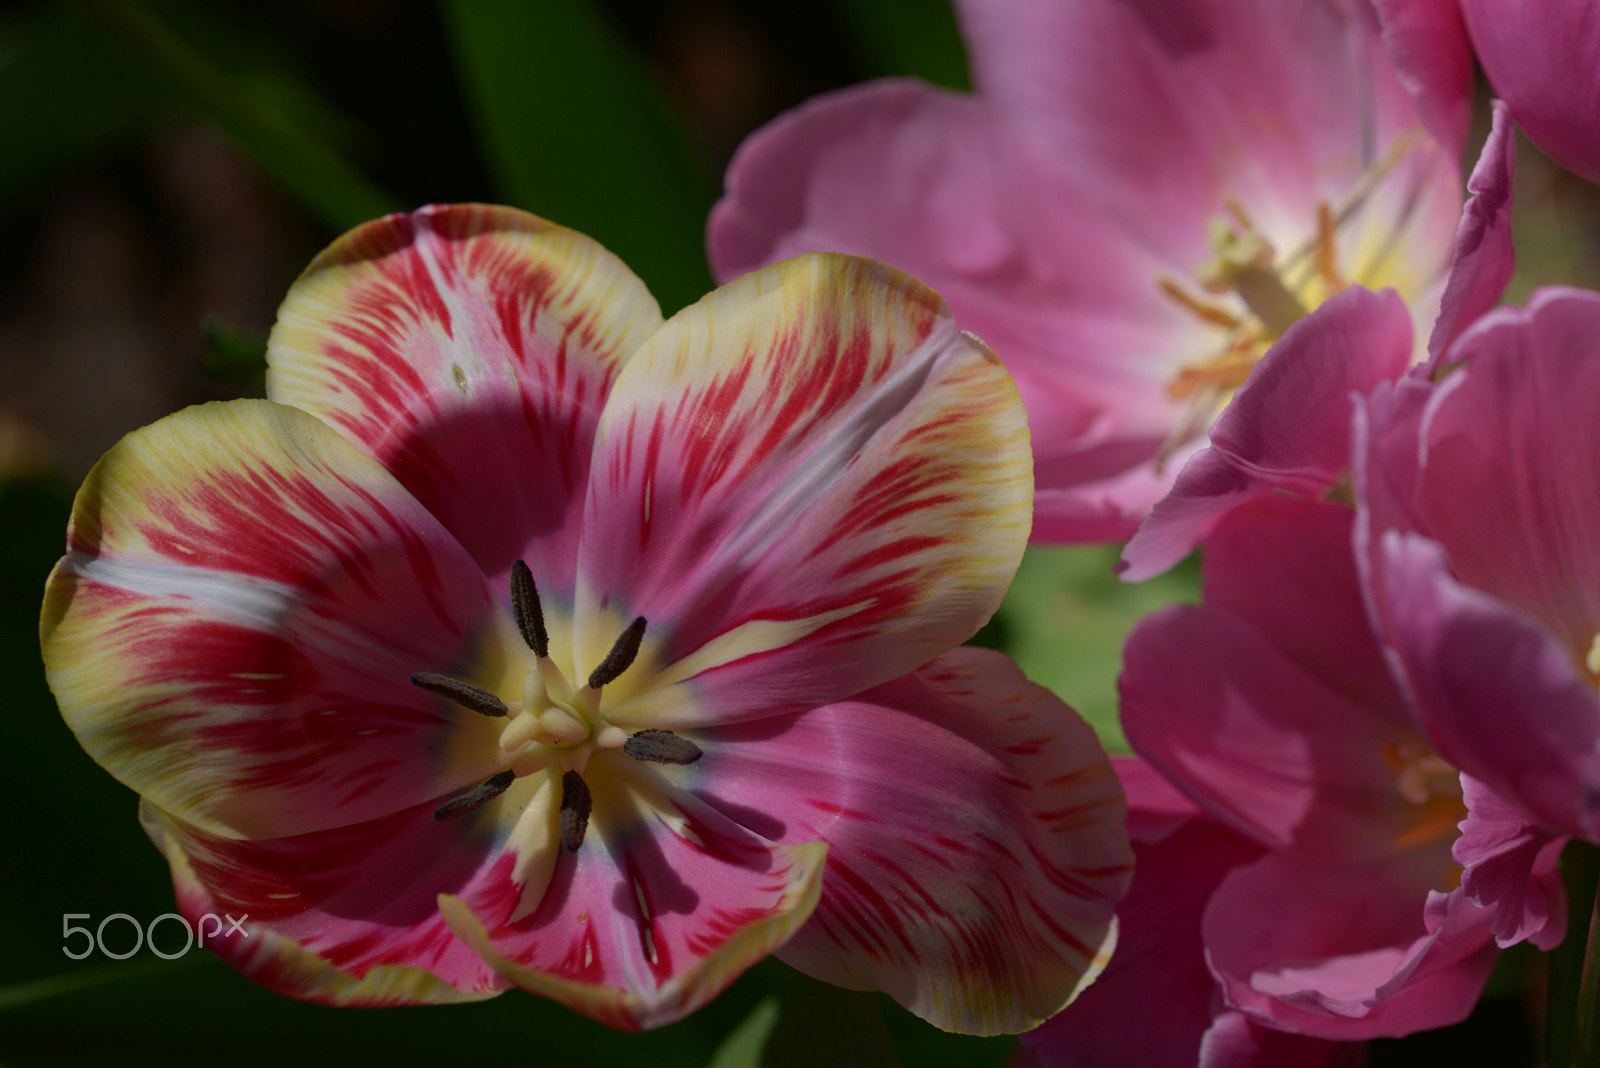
{"points": [[1251, 293], [1431, 786], [555, 722]]}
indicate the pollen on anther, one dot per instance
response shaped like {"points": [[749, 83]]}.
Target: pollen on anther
{"points": [[468, 696], [477, 797], [576, 804], [661, 747], [620, 657], [528, 612]]}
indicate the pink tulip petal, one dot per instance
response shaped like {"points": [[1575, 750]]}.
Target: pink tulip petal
{"points": [[1267, 562], [326, 916], [1511, 865], [808, 483], [1510, 462], [665, 903], [1255, 98], [468, 349], [234, 626], [1283, 757], [1288, 427], [1347, 950], [1181, 856], [1541, 59], [1468, 659], [1484, 256], [1433, 59], [1235, 1040], [975, 841]]}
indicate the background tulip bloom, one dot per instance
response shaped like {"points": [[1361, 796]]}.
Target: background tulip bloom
{"points": [[1136, 203], [1478, 508], [524, 639], [1287, 430], [1271, 706]]}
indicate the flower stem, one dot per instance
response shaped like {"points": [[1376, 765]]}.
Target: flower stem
{"points": [[1571, 1020]]}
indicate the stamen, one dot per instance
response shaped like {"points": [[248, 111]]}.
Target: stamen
{"points": [[576, 803], [661, 747], [620, 656], [526, 610], [468, 696], [477, 797]]}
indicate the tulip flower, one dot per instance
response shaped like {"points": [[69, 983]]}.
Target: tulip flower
{"points": [[522, 639], [1134, 205], [1271, 706], [1478, 504]]}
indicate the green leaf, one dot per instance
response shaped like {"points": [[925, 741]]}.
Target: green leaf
{"points": [[575, 131], [746, 1043], [1064, 620]]}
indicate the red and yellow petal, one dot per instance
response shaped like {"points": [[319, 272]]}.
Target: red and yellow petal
{"points": [[344, 917], [808, 483], [469, 350], [234, 626], [976, 845], [666, 903]]}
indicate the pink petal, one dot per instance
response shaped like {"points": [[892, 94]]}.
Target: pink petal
{"points": [[808, 483], [1345, 950], [233, 629], [1286, 568], [1541, 59], [1178, 106], [665, 903], [1484, 256], [1511, 866], [338, 916], [1433, 59], [1236, 1040], [1287, 429], [1469, 659], [1511, 460], [468, 349], [1180, 857], [975, 840], [1294, 759]]}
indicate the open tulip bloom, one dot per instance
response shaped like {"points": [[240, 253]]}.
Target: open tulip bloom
{"points": [[1138, 201], [523, 639]]}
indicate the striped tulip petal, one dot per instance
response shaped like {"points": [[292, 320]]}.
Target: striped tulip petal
{"points": [[809, 483], [469, 350], [344, 917], [665, 902], [232, 631], [975, 837]]}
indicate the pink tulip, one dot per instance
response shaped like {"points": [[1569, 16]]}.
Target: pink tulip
{"points": [[1133, 206], [1478, 508], [1271, 705], [523, 639]]}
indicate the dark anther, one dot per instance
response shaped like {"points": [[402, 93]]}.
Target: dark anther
{"points": [[525, 607], [475, 798], [462, 693], [576, 803], [620, 656], [661, 747]]}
